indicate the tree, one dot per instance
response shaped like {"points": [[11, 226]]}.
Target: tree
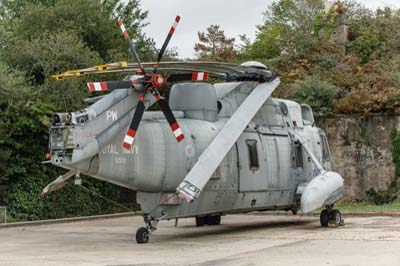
{"points": [[52, 36], [316, 93], [214, 45], [287, 27], [37, 39]]}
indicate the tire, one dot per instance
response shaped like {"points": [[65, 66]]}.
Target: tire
{"points": [[324, 218], [214, 220], [200, 221], [142, 235], [335, 217]]}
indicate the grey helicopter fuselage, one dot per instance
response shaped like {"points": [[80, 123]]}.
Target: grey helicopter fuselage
{"points": [[267, 168]]}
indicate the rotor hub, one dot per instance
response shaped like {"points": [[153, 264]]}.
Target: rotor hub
{"points": [[157, 80]]}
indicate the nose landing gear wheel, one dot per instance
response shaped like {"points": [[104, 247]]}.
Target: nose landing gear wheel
{"points": [[142, 235]]}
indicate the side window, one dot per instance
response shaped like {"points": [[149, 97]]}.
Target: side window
{"points": [[326, 155], [253, 154], [298, 155]]}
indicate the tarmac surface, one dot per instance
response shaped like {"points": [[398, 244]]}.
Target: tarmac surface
{"points": [[240, 240]]}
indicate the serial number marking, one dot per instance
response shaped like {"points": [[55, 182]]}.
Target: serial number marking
{"points": [[120, 160]]}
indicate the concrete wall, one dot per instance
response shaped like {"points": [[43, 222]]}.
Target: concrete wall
{"points": [[362, 150]]}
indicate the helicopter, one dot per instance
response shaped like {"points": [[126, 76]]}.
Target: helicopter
{"points": [[213, 149]]}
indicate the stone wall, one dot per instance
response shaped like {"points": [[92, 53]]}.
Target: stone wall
{"points": [[362, 150]]}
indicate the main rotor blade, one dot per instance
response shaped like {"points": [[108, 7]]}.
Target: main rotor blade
{"points": [[166, 42], [170, 117], [131, 46], [222, 70], [133, 127], [190, 188], [111, 85], [194, 76]]}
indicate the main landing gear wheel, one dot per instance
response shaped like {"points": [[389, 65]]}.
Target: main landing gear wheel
{"points": [[209, 220], [335, 217], [142, 235], [214, 220], [200, 221], [324, 218], [329, 217]]}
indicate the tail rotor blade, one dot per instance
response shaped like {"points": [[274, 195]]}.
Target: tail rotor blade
{"points": [[170, 117], [166, 42], [131, 46], [133, 127]]}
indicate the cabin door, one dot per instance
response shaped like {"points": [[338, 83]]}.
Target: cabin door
{"points": [[278, 164]]}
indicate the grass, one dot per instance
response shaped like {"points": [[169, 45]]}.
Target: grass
{"points": [[365, 207]]}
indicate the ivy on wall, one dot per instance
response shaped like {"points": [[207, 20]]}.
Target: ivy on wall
{"points": [[325, 22], [391, 193]]}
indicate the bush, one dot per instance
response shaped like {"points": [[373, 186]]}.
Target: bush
{"points": [[325, 62], [386, 196], [316, 93], [366, 45]]}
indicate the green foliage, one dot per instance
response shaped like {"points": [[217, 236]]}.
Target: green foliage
{"points": [[391, 193], [316, 93], [365, 45], [37, 39], [385, 196], [287, 27], [93, 21], [366, 76], [363, 207], [267, 44], [325, 61], [243, 50], [213, 45], [24, 201], [325, 22], [368, 40], [396, 151]]}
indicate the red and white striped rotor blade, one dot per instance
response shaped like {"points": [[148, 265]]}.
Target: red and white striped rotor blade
{"points": [[170, 117], [133, 127], [199, 76], [111, 85], [130, 44], [195, 76], [166, 42], [97, 86]]}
